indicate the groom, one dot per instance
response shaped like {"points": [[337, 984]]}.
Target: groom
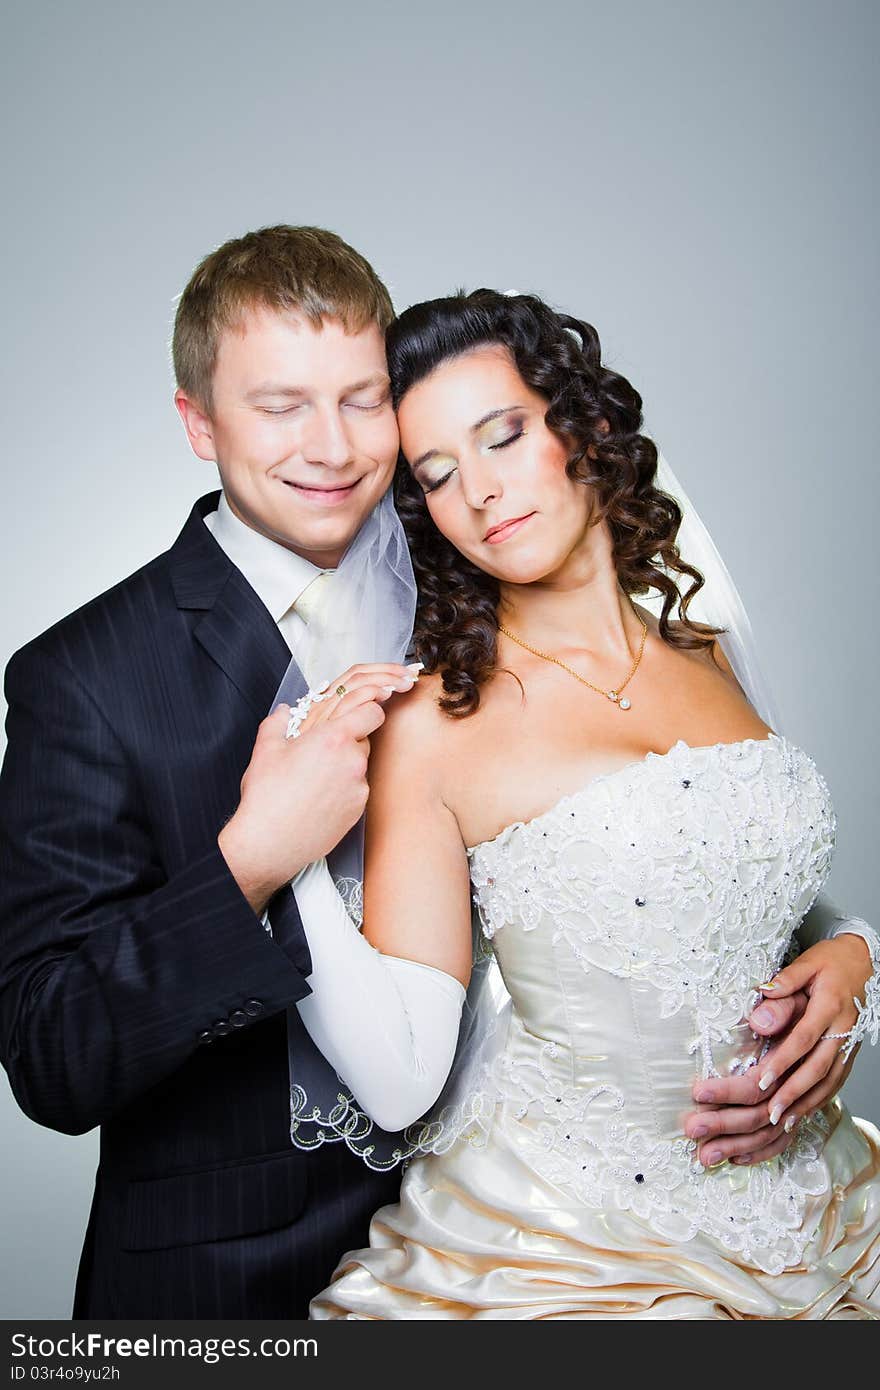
{"points": [[139, 988]]}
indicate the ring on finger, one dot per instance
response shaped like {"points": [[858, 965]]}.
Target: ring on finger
{"points": [[340, 691]]}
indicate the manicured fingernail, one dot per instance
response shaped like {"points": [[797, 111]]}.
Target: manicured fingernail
{"points": [[714, 1159], [388, 689], [700, 1131], [406, 683], [416, 666], [743, 1158], [775, 1114], [766, 1081], [319, 689], [704, 1093], [768, 985], [790, 1124], [764, 1017]]}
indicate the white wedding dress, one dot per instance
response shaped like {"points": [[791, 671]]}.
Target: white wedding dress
{"points": [[631, 922]]}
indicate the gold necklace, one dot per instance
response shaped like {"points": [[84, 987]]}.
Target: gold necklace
{"points": [[613, 695]]}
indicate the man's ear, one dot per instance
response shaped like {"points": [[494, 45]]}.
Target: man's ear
{"points": [[197, 424]]}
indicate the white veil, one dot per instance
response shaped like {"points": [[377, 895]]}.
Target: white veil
{"points": [[718, 603], [373, 619], [372, 597]]}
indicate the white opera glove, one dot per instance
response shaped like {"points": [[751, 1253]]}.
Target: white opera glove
{"points": [[387, 1026], [824, 922]]}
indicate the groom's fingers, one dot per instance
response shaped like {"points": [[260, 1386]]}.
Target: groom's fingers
{"points": [[267, 730], [356, 689], [734, 1147], [731, 1090], [771, 1016], [361, 720], [340, 705], [778, 1143], [733, 1119]]}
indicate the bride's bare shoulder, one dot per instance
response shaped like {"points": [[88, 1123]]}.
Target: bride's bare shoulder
{"points": [[712, 651], [416, 729], [712, 654]]}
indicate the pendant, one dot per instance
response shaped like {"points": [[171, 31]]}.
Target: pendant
{"points": [[612, 695], [625, 704]]}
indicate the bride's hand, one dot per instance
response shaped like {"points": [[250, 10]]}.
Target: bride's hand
{"points": [[800, 1072], [360, 685], [832, 974]]}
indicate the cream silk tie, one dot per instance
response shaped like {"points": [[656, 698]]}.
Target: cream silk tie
{"points": [[310, 601], [308, 607]]}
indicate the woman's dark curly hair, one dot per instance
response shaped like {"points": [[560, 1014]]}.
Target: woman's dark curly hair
{"points": [[597, 413]]}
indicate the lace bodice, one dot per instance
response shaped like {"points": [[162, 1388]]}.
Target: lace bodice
{"points": [[631, 922]]}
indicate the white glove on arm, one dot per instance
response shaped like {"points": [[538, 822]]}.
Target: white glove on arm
{"points": [[388, 1027]]}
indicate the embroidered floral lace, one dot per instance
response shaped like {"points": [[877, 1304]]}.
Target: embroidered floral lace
{"points": [[681, 878]]}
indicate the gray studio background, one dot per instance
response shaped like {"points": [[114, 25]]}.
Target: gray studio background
{"points": [[694, 178]]}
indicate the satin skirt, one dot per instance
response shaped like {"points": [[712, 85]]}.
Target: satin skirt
{"points": [[477, 1233]]}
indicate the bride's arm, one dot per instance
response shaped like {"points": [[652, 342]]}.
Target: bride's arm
{"points": [[832, 987], [825, 921], [385, 1006]]}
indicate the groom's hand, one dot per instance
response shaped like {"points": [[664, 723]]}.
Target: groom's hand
{"points": [[300, 796]]}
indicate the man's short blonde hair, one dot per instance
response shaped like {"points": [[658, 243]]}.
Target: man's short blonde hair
{"points": [[306, 269]]}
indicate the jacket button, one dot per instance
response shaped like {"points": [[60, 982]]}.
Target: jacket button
{"points": [[222, 1027], [238, 1019], [205, 1036], [253, 1007]]}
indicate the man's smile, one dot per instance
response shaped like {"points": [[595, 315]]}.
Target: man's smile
{"points": [[323, 494]]}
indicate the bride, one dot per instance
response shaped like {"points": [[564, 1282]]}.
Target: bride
{"points": [[640, 846]]}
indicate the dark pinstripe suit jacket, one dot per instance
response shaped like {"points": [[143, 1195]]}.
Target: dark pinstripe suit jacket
{"points": [[138, 991]]}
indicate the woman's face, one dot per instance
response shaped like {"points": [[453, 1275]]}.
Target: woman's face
{"points": [[493, 474]]}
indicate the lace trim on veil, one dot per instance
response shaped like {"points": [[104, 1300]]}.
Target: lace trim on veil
{"points": [[465, 1107]]}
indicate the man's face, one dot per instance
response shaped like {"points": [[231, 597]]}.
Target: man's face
{"points": [[301, 428]]}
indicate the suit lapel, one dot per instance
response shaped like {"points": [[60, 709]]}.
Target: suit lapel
{"points": [[239, 634], [236, 629]]}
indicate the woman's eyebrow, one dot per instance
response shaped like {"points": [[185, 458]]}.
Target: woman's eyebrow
{"points": [[425, 458], [483, 420], [493, 415]]}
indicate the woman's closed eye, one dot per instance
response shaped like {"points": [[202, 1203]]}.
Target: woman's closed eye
{"points": [[431, 485], [511, 439]]}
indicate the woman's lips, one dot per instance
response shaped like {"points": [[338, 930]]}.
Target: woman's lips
{"points": [[323, 496], [503, 533]]}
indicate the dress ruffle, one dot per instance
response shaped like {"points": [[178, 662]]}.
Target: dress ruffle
{"points": [[477, 1234]]}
